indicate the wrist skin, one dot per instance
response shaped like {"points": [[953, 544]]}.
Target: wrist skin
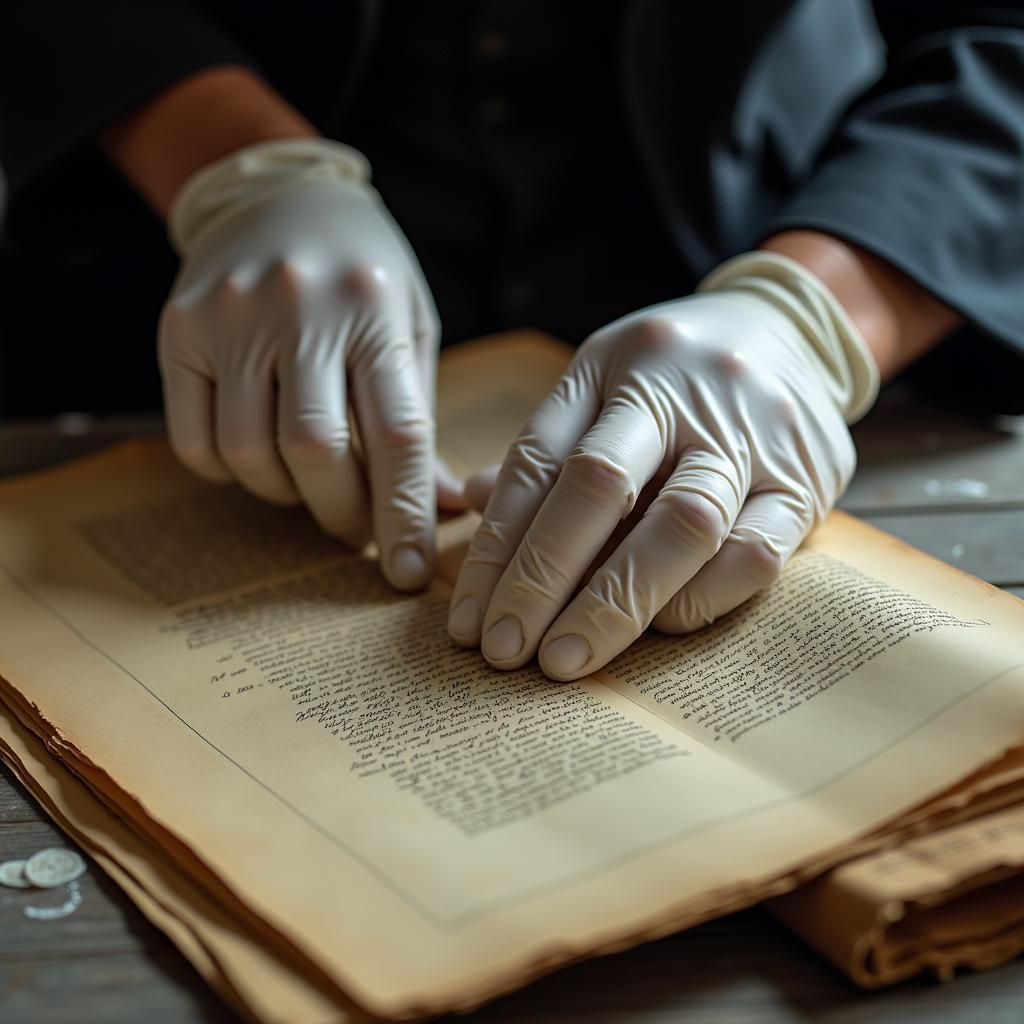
{"points": [[194, 122], [898, 319]]}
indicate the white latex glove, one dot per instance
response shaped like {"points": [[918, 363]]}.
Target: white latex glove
{"points": [[298, 294], [714, 423]]}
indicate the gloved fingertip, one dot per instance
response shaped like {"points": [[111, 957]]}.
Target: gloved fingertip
{"points": [[479, 488], [503, 641], [464, 621], [564, 658], [408, 568], [449, 488], [451, 499]]}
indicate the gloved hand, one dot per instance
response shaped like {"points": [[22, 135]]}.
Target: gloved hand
{"points": [[705, 437], [297, 294]]}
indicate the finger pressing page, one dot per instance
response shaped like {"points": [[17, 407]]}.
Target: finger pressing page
{"points": [[316, 444], [188, 404], [397, 428], [682, 529], [596, 488], [246, 429], [527, 474], [767, 531], [480, 486], [450, 489]]}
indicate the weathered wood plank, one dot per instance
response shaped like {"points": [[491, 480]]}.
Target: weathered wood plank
{"points": [[913, 456], [759, 977], [105, 962], [115, 988], [15, 804], [32, 444], [104, 922], [988, 544]]}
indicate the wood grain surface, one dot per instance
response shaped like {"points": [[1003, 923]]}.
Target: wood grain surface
{"points": [[951, 486]]}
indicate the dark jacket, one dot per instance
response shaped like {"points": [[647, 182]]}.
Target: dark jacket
{"points": [[903, 132]]}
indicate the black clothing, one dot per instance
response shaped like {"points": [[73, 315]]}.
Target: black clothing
{"points": [[501, 108], [553, 165]]}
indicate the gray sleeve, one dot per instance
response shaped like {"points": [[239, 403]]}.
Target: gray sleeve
{"points": [[927, 168]]}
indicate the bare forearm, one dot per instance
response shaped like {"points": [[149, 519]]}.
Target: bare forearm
{"points": [[202, 118], [898, 318]]}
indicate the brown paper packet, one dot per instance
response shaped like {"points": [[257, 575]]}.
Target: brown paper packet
{"points": [[937, 902]]}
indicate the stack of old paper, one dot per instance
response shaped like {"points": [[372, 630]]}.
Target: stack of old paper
{"points": [[335, 813], [936, 902]]}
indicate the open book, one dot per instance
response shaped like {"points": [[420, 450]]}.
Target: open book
{"points": [[421, 832]]}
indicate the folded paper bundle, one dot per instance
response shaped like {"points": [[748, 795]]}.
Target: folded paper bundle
{"points": [[206, 692], [948, 899]]}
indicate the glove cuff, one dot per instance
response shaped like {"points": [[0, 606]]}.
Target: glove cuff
{"points": [[842, 355], [249, 175]]}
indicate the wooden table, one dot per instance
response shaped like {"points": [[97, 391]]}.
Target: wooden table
{"points": [[950, 486]]}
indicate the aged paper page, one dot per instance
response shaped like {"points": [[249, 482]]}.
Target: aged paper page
{"points": [[259, 699], [999, 784], [952, 898], [769, 686]]}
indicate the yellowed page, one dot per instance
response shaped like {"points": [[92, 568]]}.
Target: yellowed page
{"points": [[258, 981], [953, 898], [865, 647], [271, 710], [486, 390], [999, 784]]}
